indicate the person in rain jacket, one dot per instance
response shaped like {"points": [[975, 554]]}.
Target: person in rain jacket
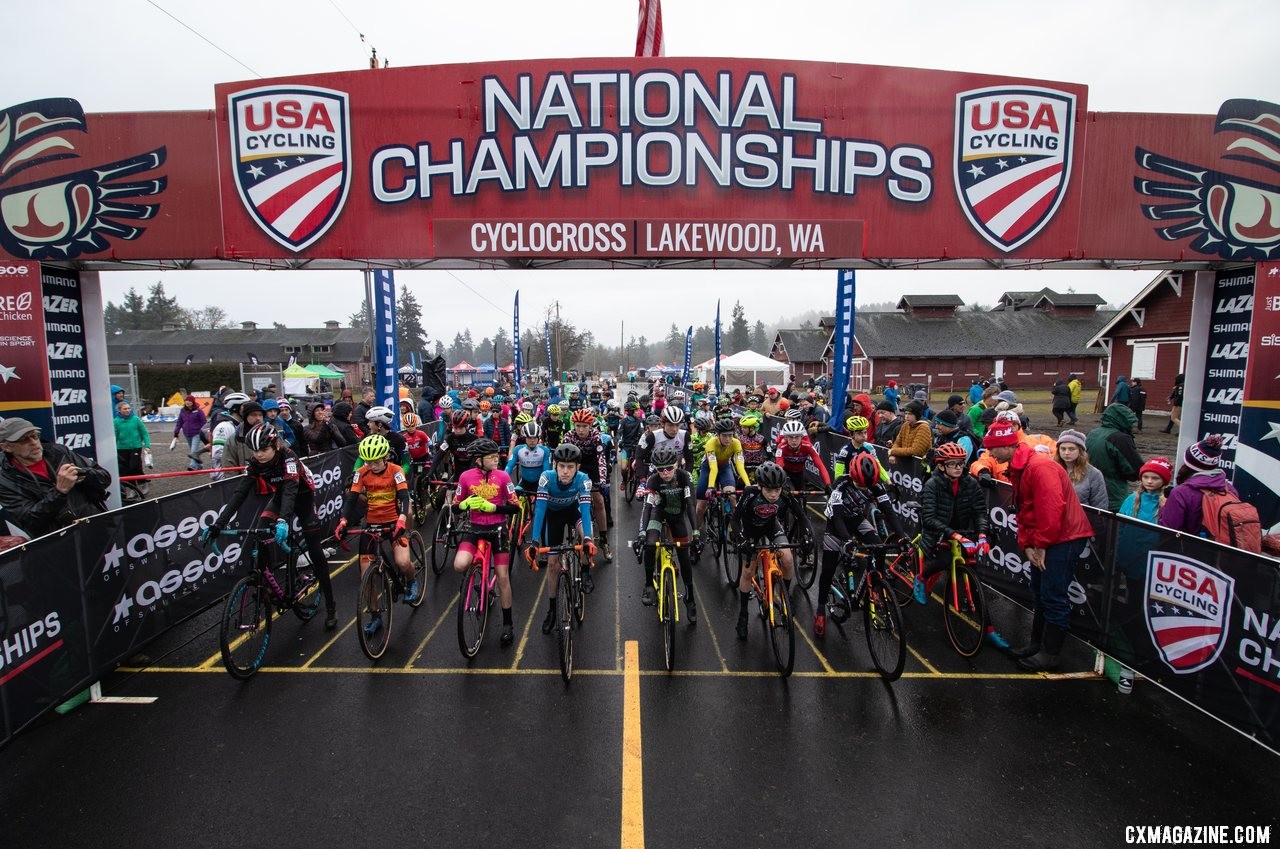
{"points": [[1112, 450]]}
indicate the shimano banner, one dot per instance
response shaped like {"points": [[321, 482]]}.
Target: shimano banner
{"points": [[518, 359], [715, 386], [73, 604], [688, 356]]}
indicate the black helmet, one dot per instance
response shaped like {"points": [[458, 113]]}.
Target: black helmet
{"points": [[770, 475], [664, 457], [724, 426], [482, 447], [567, 452], [260, 436], [651, 420]]}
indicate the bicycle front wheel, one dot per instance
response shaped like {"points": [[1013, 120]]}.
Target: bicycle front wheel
{"points": [[420, 499], [669, 618], [579, 597], [374, 609], [715, 530], [473, 611], [882, 621], [306, 602], [418, 558], [246, 628], [565, 625], [782, 633], [629, 490], [440, 543], [964, 611], [808, 555]]}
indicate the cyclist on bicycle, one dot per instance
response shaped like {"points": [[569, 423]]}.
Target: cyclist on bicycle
{"points": [[794, 452], [379, 419], [672, 433], [387, 493], [276, 472], [487, 492], [703, 428], [669, 501], [753, 442], [455, 447], [953, 506], [857, 427], [595, 464], [721, 459], [553, 426], [860, 510], [757, 518], [628, 434], [564, 501], [531, 458]]}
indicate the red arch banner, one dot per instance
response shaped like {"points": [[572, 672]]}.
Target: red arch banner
{"points": [[637, 162]]}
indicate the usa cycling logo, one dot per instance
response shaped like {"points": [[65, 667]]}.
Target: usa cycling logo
{"points": [[1187, 604], [291, 155], [1013, 150]]}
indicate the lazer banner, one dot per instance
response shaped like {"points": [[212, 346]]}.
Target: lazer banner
{"points": [[386, 362], [748, 159], [69, 384], [842, 345]]}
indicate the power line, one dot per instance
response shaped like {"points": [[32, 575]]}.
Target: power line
{"points": [[199, 35], [373, 58], [477, 294]]}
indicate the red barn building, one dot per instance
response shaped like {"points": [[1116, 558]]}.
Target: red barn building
{"points": [[1148, 339]]}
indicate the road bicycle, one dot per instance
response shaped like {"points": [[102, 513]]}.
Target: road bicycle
{"points": [[629, 478], [963, 599], [664, 582], [521, 523], [445, 537], [571, 601], [382, 585], [771, 599], [719, 512], [245, 629], [860, 582], [477, 595], [425, 492]]}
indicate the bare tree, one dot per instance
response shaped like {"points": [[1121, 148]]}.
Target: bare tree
{"points": [[208, 318]]}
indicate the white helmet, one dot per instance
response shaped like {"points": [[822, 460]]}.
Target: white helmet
{"points": [[612, 403], [675, 415], [234, 399], [794, 414], [793, 428], [678, 395], [446, 402], [381, 415]]}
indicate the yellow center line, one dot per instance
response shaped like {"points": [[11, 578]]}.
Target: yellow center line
{"points": [[632, 753], [326, 646], [724, 666], [533, 614]]}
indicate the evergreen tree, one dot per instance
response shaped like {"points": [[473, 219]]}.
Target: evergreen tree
{"points": [[675, 344], [739, 330], [760, 341], [410, 336], [162, 310], [360, 319], [502, 339], [129, 315]]}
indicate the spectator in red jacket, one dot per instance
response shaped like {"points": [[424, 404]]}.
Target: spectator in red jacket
{"points": [[1052, 531]]}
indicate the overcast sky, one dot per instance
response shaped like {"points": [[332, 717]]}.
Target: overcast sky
{"points": [[123, 55]]}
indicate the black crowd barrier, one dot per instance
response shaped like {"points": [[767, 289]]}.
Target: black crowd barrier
{"points": [[1199, 618], [75, 603]]}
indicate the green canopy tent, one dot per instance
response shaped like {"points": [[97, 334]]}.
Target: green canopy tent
{"points": [[325, 372], [298, 380]]}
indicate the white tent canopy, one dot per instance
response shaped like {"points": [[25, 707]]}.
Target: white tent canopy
{"points": [[747, 368]]}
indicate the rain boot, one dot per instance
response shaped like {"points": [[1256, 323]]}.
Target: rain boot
{"points": [[1047, 657], [1037, 636]]}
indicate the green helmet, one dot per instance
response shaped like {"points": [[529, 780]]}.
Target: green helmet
{"points": [[374, 447]]}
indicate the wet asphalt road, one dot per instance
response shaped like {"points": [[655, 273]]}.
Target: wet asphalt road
{"points": [[423, 749]]}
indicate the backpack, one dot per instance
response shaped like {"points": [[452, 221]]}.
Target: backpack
{"points": [[1229, 520]]}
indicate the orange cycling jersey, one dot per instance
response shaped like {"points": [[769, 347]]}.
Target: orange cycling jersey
{"points": [[380, 489]]}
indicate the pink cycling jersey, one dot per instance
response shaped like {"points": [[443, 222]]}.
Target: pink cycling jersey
{"points": [[495, 487]]}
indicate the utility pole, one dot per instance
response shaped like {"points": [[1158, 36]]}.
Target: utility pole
{"points": [[622, 347], [559, 358]]}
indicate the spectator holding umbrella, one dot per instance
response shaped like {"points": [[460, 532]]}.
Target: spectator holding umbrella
{"points": [[1053, 531]]}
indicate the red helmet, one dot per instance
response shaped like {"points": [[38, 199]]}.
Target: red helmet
{"points": [[459, 418], [864, 470], [582, 416], [950, 451]]}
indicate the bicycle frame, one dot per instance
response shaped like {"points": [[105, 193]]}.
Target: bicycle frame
{"points": [[667, 571], [285, 597]]}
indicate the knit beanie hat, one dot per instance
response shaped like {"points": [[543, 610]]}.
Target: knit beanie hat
{"points": [[886, 406], [948, 418], [916, 408], [1160, 465], [1007, 395], [1205, 455], [1072, 437], [1000, 435]]}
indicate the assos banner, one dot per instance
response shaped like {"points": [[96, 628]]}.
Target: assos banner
{"points": [[77, 602]]}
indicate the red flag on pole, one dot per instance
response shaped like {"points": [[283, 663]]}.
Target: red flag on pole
{"points": [[649, 35]]}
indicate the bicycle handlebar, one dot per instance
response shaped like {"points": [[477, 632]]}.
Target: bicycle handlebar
{"points": [[378, 535], [549, 549]]}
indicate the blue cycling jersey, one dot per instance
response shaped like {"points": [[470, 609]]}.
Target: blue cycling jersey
{"points": [[532, 462], [552, 495]]}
